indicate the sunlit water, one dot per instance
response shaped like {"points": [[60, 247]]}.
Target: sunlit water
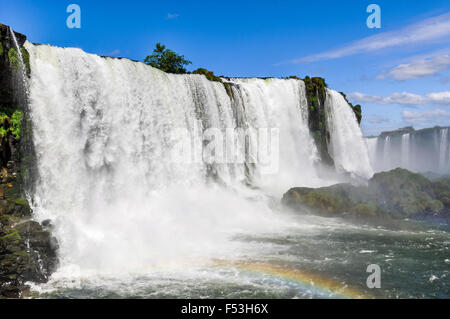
{"points": [[331, 254]]}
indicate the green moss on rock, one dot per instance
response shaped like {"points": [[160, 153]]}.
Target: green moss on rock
{"points": [[398, 193], [14, 58], [26, 60], [356, 108], [208, 74], [316, 96]]}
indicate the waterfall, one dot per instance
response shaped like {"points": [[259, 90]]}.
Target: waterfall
{"points": [[443, 151], [19, 77], [348, 149], [405, 151], [372, 149], [16, 46], [281, 104], [107, 137], [426, 150], [386, 152]]}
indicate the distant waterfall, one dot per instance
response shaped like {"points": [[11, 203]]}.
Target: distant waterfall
{"points": [[387, 151], [372, 150], [405, 149], [426, 150], [444, 151], [106, 132]]}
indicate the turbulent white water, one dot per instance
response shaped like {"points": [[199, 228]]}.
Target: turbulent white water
{"points": [[347, 145], [106, 133]]}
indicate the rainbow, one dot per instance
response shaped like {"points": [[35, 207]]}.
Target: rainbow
{"points": [[308, 281]]}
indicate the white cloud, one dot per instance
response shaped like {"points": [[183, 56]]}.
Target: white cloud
{"points": [[417, 69], [440, 98], [171, 16], [433, 116], [403, 98], [396, 98], [361, 97], [428, 30]]}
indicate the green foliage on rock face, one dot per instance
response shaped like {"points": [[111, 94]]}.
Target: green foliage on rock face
{"points": [[26, 60], [292, 77], [1, 48], [208, 74], [16, 120], [14, 58], [316, 95], [398, 193], [11, 124], [358, 112], [356, 108], [167, 60]]}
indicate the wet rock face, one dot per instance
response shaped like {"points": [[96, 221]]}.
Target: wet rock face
{"points": [[316, 96], [27, 248], [27, 253], [8, 99]]}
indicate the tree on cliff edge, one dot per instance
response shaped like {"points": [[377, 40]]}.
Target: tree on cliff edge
{"points": [[167, 60]]}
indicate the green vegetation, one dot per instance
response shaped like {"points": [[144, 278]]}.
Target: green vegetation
{"points": [[16, 120], [11, 124], [316, 95], [398, 193], [1, 48], [26, 60], [356, 108], [208, 74], [14, 59], [167, 60]]}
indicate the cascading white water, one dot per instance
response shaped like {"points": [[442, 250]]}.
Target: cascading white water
{"points": [[348, 149], [387, 151], [372, 150], [443, 151], [405, 151], [281, 104], [106, 133], [19, 77]]}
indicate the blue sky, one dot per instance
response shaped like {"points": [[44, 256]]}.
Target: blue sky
{"points": [[399, 73]]}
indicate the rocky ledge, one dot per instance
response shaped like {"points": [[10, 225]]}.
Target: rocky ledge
{"points": [[27, 248], [395, 194]]}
